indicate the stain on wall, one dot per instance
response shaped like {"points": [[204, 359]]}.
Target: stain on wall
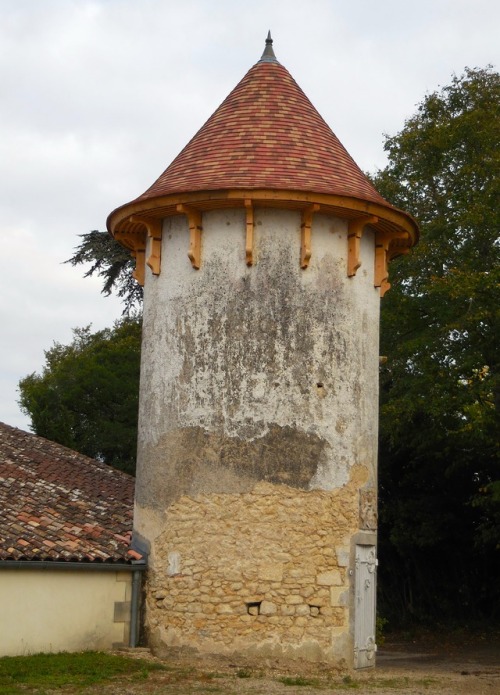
{"points": [[203, 461]]}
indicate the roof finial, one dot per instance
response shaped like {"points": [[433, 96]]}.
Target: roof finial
{"points": [[268, 55]]}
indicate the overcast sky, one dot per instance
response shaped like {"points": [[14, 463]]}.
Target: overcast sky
{"points": [[98, 96]]}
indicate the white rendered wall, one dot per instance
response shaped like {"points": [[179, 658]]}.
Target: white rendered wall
{"points": [[63, 610], [238, 361]]}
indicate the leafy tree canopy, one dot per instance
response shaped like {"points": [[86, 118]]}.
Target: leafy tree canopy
{"points": [[86, 397], [440, 386], [113, 263]]}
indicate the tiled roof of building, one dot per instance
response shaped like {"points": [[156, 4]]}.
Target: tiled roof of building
{"points": [[266, 134], [56, 504]]}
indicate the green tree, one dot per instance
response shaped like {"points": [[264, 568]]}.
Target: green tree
{"points": [[86, 397], [113, 263], [440, 386]]}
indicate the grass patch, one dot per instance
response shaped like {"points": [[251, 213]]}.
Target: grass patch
{"points": [[348, 682], [50, 671], [299, 680], [426, 682], [244, 673]]}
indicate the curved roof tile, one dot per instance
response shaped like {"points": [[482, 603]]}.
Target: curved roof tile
{"points": [[59, 505]]}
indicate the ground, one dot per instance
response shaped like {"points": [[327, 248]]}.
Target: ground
{"points": [[444, 666]]}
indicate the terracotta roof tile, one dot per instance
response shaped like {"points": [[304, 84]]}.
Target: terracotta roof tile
{"points": [[266, 134], [56, 504]]}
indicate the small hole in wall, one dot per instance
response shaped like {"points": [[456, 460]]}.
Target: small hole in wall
{"points": [[253, 608], [314, 610], [321, 392]]}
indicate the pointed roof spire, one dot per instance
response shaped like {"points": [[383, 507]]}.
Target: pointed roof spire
{"points": [[268, 55]]}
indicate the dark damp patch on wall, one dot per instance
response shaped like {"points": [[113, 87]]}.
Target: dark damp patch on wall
{"points": [[192, 460]]}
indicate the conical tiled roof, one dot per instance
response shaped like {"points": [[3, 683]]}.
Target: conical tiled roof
{"points": [[265, 136]]}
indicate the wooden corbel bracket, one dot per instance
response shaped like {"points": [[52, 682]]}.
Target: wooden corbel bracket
{"points": [[195, 228], [139, 273], [154, 230], [250, 225], [305, 234], [154, 234], [381, 278], [354, 232], [136, 243], [386, 248]]}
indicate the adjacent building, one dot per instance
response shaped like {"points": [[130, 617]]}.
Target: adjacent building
{"points": [[69, 580]]}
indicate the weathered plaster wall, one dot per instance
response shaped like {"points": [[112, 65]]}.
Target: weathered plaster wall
{"points": [[62, 610], [257, 432], [261, 373]]}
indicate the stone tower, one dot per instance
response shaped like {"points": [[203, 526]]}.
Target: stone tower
{"points": [[263, 251]]}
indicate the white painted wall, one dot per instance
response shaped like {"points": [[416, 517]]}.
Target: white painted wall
{"points": [[61, 610]]}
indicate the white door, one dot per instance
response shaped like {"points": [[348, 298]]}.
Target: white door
{"points": [[365, 606]]}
